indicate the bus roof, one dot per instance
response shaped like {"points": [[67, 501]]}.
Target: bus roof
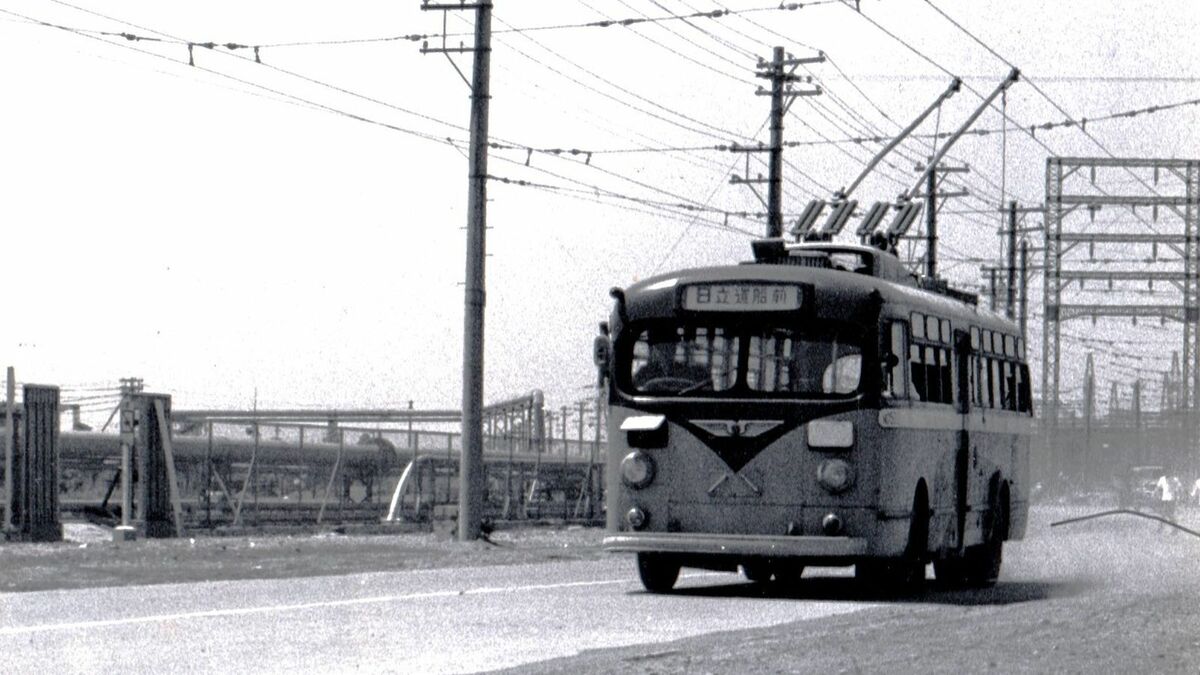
{"points": [[656, 297]]}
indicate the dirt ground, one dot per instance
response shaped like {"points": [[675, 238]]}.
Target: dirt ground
{"points": [[1117, 594], [1112, 595], [89, 558]]}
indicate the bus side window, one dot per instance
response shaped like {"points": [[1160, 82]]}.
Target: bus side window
{"points": [[997, 385], [933, 380], [946, 373], [916, 370], [894, 368], [986, 394], [1010, 387], [976, 367], [1024, 396]]}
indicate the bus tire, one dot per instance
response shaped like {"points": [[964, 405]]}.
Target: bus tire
{"points": [[950, 572], [657, 572], [983, 562], [788, 574], [757, 571]]}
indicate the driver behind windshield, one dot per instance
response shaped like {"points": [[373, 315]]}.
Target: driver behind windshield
{"points": [[664, 372]]}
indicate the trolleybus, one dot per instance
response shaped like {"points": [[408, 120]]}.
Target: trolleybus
{"points": [[817, 406]]}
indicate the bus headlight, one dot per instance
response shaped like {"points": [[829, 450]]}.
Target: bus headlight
{"points": [[835, 475], [637, 469], [830, 434]]}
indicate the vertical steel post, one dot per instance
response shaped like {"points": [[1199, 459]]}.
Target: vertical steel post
{"points": [[208, 479], [587, 487], [470, 496], [126, 461]]}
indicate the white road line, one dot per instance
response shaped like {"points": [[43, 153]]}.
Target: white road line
{"points": [[243, 611]]}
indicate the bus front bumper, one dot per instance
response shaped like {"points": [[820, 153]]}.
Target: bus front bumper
{"points": [[736, 545]]}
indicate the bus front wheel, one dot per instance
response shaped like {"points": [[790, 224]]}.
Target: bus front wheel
{"points": [[657, 572]]}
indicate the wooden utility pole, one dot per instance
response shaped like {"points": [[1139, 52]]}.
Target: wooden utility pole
{"points": [[773, 70], [470, 494], [931, 224]]}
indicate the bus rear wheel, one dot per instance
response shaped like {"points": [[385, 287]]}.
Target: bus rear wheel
{"points": [[983, 561], [758, 572], [657, 572]]}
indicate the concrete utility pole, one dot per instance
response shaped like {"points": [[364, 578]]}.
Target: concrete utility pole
{"points": [[780, 89], [10, 397], [931, 223], [470, 494], [1025, 292], [1010, 300]]}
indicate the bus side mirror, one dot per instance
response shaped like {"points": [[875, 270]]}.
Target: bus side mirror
{"points": [[602, 356], [601, 351], [890, 360]]}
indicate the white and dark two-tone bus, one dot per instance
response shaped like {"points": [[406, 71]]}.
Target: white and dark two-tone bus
{"points": [[814, 407]]}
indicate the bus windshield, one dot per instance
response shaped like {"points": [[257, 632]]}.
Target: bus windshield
{"points": [[703, 360]]}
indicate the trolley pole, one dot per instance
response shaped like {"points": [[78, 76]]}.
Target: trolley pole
{"points": [[470, 494]]}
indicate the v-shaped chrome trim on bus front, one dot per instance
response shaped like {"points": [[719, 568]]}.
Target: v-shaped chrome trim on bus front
{"points": [[737, 428]]}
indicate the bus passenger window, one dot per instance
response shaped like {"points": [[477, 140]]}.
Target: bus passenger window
{"points": [[945, 371], [986, 383], [997, 400], [977, 379], [916, 371], [1024, 396], [1010, 387], [893, 364], [933, 379]]}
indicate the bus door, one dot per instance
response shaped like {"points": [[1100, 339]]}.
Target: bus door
{"points": [[962, 399]]}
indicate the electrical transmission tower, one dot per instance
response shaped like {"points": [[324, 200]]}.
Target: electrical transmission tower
{"points": [[1075, 186]]}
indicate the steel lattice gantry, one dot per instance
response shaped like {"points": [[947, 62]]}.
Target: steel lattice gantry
{"points": [[1143, 205]]}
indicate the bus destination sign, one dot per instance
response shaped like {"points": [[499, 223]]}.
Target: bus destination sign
{"points": [[741, 297]]}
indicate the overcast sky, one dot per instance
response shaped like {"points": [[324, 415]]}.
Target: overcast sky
{"points": [[295, 228]]}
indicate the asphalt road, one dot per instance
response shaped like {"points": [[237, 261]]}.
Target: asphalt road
{"points": [[1109, 595]]}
